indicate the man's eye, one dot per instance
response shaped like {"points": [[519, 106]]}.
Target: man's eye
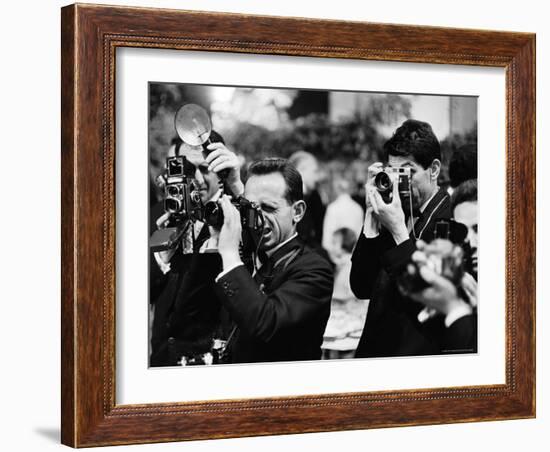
{"points": [[268, 209]]}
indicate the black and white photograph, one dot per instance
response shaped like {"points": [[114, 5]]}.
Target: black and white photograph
{"points": [[292, 224]]}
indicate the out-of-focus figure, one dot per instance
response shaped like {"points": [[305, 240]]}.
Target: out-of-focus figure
{"points": [[342, 213], [465, 211], [343, 241], [463, 165], [310, 229], [347, 313]]}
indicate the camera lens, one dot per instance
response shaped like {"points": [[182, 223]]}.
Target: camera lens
{"points": [[383, 182], [195, 196], [173, 190], [172, 205]]}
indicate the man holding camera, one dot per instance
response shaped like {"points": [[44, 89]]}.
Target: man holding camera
{"points": [[387, 241], [187, 314], [281, 310], [456, 303]]}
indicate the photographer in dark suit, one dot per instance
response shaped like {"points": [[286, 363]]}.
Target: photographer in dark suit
{"points": [[187, 314], [281, 311], [388, 240]]}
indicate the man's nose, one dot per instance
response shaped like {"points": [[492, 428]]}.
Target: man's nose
{"points": [[472, 238], [199, 177]]}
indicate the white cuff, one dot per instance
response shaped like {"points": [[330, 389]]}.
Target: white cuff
{"points": [[228, 269], [371, 226], [164, 267], [460, 311], [210, 246]]}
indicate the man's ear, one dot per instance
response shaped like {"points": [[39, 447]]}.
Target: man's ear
{"points": [[435, 169], [299, 210]]}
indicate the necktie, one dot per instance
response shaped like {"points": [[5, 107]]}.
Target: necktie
{"points": [[264, 273]]}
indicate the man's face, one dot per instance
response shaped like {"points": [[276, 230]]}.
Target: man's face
{"points": [[466, 213], [268, 191], [209, 182], [423, 185]]}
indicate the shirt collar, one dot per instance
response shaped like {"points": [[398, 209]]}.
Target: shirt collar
{"points": [[423, 207], [280, 245]]}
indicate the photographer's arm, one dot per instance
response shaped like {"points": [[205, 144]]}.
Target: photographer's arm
{"points": [[220, 159], [398, 247], [375, 241], [460, 317], [162, 258], [305, 294], [441, 295], [365, 265], [390, 216]]}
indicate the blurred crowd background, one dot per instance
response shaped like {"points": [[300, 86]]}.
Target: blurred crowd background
{"points": [[332, 137]]}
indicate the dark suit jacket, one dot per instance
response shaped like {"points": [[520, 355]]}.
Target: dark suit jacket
{"points": [[284, 318], [188, 313], [391, 327]]}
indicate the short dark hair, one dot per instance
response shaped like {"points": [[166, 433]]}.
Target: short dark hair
{"points": [[465, 192], [463, 165], [294, 188], [416, 139]]}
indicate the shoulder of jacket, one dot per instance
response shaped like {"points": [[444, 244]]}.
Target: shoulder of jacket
{"points": [[309, 259]]}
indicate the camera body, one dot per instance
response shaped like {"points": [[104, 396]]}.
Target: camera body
{"points": [[251, 214], [181, 191], [252, 222], [182, 200], [384, 181]]}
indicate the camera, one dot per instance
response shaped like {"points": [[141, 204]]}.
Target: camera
{"points": [[252, 221], [181, 200], [251, 214], [384, 180], [181, 191], [182, 196]]}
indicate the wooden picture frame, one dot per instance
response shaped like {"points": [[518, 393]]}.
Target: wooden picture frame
{"points": [[90, 37]]}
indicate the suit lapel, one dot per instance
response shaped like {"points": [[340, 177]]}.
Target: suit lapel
{"points": [[440, 199]]}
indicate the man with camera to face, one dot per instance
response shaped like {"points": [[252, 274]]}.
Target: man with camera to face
{"points": [[403, 206], [186, 311], [281, 309], [454, 300]]}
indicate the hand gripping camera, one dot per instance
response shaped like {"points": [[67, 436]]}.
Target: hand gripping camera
{"points": [[449, 257], [181, 190], [384, 181], [252, 222]]}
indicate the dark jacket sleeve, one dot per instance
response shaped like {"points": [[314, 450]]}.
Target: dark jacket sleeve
{"points": [[365, 265], [462, 335], [394, 259], [374, 254], [304, 295], [198, 277]]}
